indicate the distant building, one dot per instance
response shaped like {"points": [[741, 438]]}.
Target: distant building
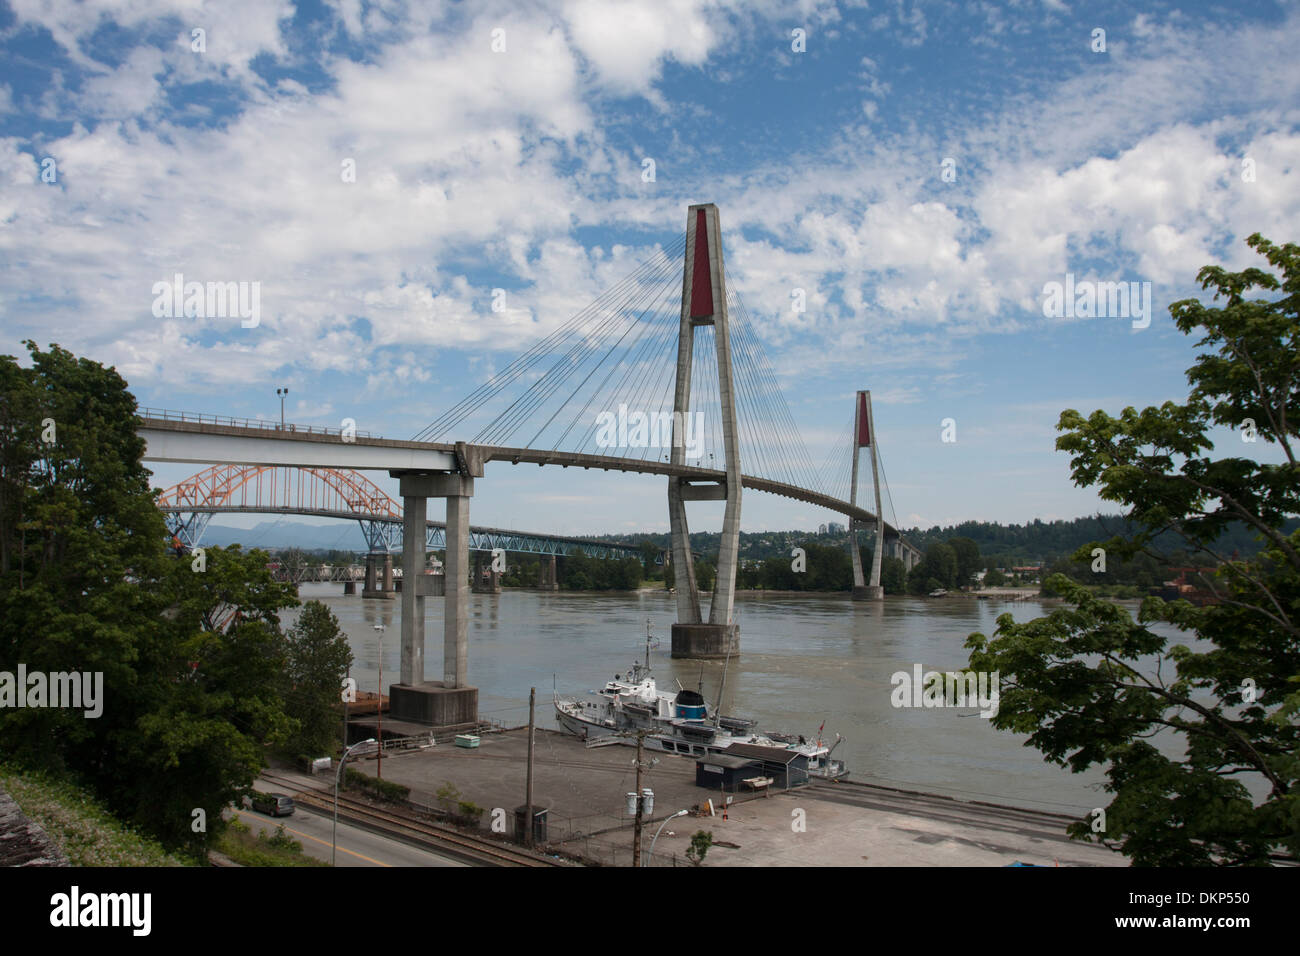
{"points": [[835, 528], [821, 529]]}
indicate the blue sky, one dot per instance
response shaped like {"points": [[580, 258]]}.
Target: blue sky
{"points": [[522, 170]]}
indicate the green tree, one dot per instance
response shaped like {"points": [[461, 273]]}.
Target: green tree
{"points": [[1083, 682], [319, 657], [649, 555], [938, 569], [994, 578], [893, 575], [80, 553], [188, 648], [705, 574], [203, 738], [967, 553]]}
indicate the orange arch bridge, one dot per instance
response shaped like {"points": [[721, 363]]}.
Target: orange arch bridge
{"points": [[338, 493]]}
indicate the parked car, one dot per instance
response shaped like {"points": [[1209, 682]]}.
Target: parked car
{"points": [[275, 804]]}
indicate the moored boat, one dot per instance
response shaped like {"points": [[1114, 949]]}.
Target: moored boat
{"points": [[681, 722]]}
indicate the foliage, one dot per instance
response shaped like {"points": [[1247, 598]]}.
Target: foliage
{"points": [[383, 789], [1084, 681], [469, 812], [192, 660], [700, 843], [280, 840], [578, 572], [448, 796], [238, 843], [80, 825], [893, 575], [318, 659], [938, 569]]}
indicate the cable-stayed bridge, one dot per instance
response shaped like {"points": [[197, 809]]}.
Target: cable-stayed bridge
{"points": [[662, 374]]}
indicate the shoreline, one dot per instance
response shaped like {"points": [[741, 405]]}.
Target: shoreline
{"points": [[1008, 594]]}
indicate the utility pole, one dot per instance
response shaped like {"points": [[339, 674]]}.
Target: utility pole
{"points": [[640, 803], [528, 798], [380, 711], [345, 712]]}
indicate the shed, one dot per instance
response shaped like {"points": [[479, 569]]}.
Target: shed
{"points": [[788, 768], [721, 772]]}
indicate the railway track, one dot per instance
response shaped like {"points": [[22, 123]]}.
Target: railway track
{"points": [[404, 827], [1040, 824]]}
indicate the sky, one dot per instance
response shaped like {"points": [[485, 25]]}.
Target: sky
{"points": [[921, 171]]}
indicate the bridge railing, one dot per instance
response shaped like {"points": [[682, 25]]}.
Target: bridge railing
{"points": [[264, 424]]}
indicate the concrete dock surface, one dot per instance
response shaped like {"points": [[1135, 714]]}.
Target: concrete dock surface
{"points": [[825, 824]]}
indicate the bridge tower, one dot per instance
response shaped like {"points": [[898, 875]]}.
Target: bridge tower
{"points": [[864, 436], [704, 302]]}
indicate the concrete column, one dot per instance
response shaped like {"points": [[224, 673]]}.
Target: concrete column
{"points": [[414, 519], [388, 571], [371, 560], [688, 594], [855, 546], [546, 576], [877, 592], [455, 635], [450, 702]]}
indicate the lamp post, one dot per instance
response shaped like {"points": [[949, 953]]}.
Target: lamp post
{"points": [[282, 392], [379, 706], [679, 813], [334, 840]]}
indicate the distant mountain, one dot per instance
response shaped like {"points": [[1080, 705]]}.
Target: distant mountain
{"points": [[343, 535]]}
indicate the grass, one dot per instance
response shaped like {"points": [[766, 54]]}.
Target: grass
{"points": [[86, 832], [238, 843]]}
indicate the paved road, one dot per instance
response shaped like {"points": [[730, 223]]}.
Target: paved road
{"points": [[356, 847]]}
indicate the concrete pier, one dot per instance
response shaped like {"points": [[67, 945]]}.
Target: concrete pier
{"points": [[379, 584], [547, 578], [451, 700], [485, 580], [706, 641]]}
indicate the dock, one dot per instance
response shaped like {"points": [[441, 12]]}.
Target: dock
{"points": [[846, 823]]}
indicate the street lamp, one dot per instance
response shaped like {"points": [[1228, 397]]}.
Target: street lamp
{"points": [[379, 705], [282, 392], [334, 840], [679, 813]]}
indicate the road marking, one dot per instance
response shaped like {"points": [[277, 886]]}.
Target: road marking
{"points": [[308, 836]]}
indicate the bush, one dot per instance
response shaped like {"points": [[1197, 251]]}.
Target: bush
{"points": [[382, 789], [700, 844], [470, 813]]}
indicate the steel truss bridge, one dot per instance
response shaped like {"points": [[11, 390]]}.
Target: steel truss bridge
{"points": [[339, 493]]}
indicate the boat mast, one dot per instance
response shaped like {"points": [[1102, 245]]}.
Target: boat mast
{"points": [[717, 710]]}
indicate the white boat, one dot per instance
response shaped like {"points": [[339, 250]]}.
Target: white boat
{"points": [[679, 722]]}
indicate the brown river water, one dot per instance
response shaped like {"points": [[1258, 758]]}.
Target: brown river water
{"points": [[804, 659]]}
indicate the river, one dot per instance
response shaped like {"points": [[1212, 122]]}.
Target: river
{"points": [[804, 659]]}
